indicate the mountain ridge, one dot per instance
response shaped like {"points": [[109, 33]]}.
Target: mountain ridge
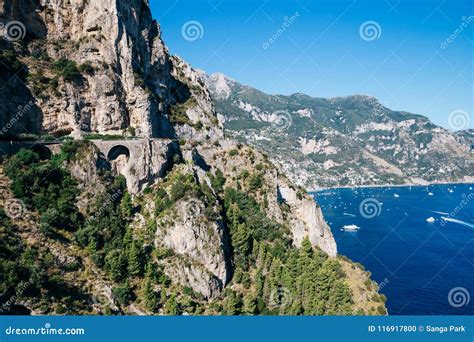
{"points": [[382, 146]]}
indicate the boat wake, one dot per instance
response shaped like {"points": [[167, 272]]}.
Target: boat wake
{"points": [[439, 212]]}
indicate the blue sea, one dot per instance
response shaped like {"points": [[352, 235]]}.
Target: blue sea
{"points": [[418, 243]]}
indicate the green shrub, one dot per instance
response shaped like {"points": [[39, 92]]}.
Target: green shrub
{"points": [[86, 68], [123, 294], [66, 69], [255, 182]]}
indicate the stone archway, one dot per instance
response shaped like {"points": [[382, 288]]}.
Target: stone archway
{"points": [[42, 150], [118, 151], [118, 157]]}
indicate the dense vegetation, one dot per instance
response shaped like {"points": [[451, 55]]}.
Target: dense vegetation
{"points": [[270, 276], [46, 187], [275, 277], [30, 274]]}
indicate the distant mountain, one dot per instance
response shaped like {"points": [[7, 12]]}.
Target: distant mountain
{"points": [[342, 141]]}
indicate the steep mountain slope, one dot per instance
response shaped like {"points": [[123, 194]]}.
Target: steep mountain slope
{"points": [[341, 141], [466, 137], [134, 201]]}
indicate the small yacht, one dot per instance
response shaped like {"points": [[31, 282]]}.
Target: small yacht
{"points": [[351, 228]]}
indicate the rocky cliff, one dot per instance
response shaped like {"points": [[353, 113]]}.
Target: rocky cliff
{"points": [[100, 67], [168, 215]]}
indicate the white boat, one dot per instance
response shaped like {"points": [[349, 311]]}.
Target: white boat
{"points": [[430, 219], [430, 194], [351, 228], [396, 195]]}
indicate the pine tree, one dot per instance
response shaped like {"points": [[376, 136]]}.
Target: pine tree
{"points": [[171, 305], [306, 250], [237, 275], [134, 260], [115, 265], [295, 308], [250, 304], [231, 304], [240, 242], [293, 264], [261, 254], [259, 283], [150, 297], [234, 216], [246, 280], [128, 237], [287, 280], [340, 299], [126, 206]]}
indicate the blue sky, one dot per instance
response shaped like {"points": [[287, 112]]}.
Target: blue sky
{"points": [[408, 64]]}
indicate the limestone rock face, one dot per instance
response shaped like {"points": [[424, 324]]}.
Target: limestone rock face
{"points": [[127, 77], [307, 220], [199, 243]]}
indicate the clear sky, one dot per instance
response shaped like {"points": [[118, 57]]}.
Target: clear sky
{"points": [[402, 57]]}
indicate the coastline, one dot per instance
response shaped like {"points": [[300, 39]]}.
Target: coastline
{"points": [[471, 182]]}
